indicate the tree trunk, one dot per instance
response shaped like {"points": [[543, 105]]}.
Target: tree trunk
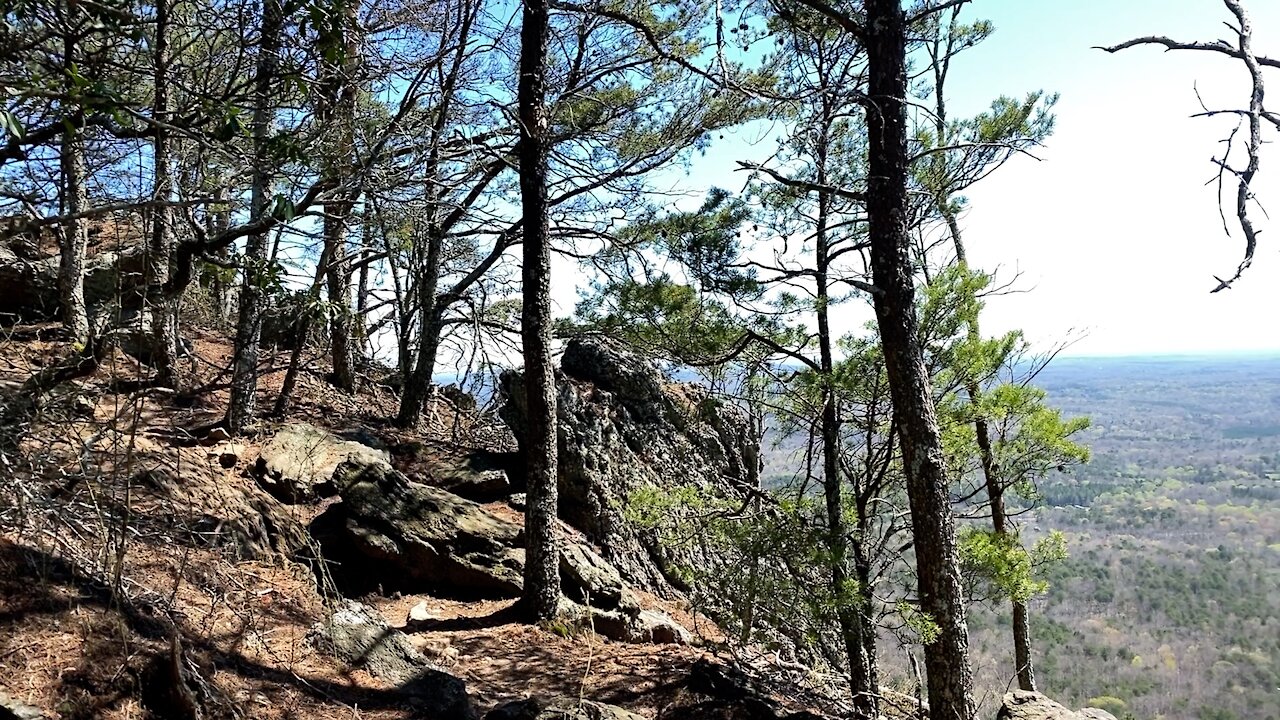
{"points": [[218, 220], [542, 560], [941, 594], [844, 591], [341, 109], [164, 331], [982, 433], [360, 322], [244, 380], [74, 238]]}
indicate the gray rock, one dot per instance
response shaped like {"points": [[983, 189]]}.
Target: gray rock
{"points": [[713, 690], [660, 629], [297, 464], [12, 709], [623, 428], [627, 623], [393, 533], [1026, 705], [561, 708], [588, 578], [111, 280], [358, 636]]}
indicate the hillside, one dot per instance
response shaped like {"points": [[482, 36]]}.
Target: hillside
{"points": [[1170, 599], [151, 567]]}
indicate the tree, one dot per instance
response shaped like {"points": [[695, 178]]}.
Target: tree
{"points": [[928, 488], [244, 381], [164, 311], [977, 146], [339, 65], [542, 558], [1254, 116]]}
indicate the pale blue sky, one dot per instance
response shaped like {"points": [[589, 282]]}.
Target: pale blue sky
{"points": [[1113, 232]]}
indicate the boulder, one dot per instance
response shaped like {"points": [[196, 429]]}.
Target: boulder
{"points": [[627, 623], [394, 534], [391, 533], [657, 627], [358, 636], [561, 708], [623, 428], [12, 709], [588, 578], [297, 463], [1027, 705]]}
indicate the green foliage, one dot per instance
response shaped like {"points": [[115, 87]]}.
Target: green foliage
{"points": [[924, 627], [1002, 561], [662, 316], [1113, 705]]}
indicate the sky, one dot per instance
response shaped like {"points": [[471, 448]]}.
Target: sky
{"points": [[1113, 235]]}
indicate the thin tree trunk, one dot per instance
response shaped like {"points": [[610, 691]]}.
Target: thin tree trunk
{"points": [[341, 108], [360, 322], [431, 303], [982, 430], [74, 238], [941, 594], [164, 331], [218, 220], [244, 380], [844, 591], [542, 560]]}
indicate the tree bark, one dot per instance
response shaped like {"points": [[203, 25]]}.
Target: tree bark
{"points": [[163, 310], [848, 595], [244, 380], [542, 560], [341, 117], [941, 594], [74, 238]]}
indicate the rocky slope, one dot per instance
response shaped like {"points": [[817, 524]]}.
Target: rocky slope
{"points": [[623, 428], [327, 566]]}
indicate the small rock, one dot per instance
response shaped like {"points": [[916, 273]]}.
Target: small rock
{"points": [[215, 435], [228, 455], [518, 501], [358, 635], [420, 613], [11, 709]]}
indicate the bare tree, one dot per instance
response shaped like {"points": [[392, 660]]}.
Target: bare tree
{"points": [[1253, 117]]}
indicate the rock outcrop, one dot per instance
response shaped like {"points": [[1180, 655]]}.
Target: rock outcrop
{"points": [[297, 464], [31, 283], [714, 690], [395, 534], [358, 636], [1025, 705], [389, 533], [623, 427]]}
